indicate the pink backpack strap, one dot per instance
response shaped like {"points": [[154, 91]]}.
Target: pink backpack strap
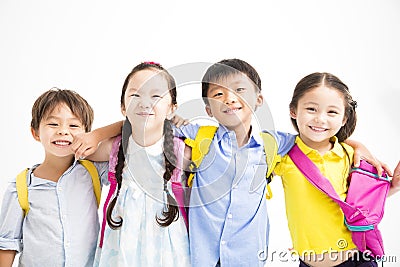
{"points": [[315, 177], [113, 183], [176, 178]]}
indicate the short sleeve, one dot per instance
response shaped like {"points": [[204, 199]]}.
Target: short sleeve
{"points": [[186, 131], [11, 221], [285, 141], [102, 169]]}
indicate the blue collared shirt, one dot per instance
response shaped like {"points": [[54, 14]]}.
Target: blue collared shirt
{"points": [[61, 227], [228, 218]]}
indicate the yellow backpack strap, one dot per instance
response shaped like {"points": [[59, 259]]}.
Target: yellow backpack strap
{"points": [[95, 178], [200, 147], [272, 158], [22, 191]]}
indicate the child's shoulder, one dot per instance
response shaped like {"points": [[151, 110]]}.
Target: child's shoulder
{"points": [[100, 166], [348, 150], [187, 131]]}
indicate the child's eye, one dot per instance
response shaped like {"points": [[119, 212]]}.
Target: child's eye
{"points": [[240, 89], [333, 112], [53, 124], [135, 95], [156, 96], [217, 94], [75, 126], [311, 109]]}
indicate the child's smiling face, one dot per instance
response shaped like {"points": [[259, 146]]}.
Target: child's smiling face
{"points": [[56, 131], [232, 101], [148, 100], [320, 114]]}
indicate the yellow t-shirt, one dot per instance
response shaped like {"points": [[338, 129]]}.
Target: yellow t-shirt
{"points": [[316, 222]]}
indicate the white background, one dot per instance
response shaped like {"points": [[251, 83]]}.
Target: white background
{"points": [[90, 46]]}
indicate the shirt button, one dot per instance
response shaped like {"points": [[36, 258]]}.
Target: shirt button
{"points": [[67, 245], [59, 188], [223, 242], [230, 216]]}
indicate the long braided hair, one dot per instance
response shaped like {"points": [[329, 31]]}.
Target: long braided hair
{"points": [[171, 211]]}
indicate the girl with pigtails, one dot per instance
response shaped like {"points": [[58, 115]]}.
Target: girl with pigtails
{"points": [[145, 226]]}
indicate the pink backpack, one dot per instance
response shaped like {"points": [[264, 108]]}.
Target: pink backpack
{"points": [[364, 205], [176, 181]]}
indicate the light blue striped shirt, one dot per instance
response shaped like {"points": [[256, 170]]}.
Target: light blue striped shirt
{"points": [[61, 227], [228, 220]]}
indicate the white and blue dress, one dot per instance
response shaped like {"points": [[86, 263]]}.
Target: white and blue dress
{"points": [[141, 241]]}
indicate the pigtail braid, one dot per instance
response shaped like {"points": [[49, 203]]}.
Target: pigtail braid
{"points": [[118, 176], [171, 211]]}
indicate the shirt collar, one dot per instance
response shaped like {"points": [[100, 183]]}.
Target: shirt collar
{"points": [[254, 137], [336, 149], [153, 150]]}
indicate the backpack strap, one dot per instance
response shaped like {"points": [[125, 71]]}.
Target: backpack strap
{"points": [[200, 147], [315, 177], [272, 158], [21, 185], [113, 183], [177, 184], [89, 166], [22, 190]]}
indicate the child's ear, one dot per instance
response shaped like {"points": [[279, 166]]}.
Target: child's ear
{"points": [[208, 110], [35, 135], [123, 110], [259, 100], [293, 114]]}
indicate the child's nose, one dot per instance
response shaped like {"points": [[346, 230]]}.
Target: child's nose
{"points": [[320, 117], [63, 130], [230, 97], [145, 103]]}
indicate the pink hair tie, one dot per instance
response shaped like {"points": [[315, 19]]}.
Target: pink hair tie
{"points": [[152, 63]]}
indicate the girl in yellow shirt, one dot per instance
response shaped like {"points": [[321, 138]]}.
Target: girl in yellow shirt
{"points": [[323, 112]]}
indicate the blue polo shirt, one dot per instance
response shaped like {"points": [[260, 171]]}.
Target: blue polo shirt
{"points": [[228, 220]]}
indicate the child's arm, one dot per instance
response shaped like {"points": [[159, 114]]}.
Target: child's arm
{"points": [[97, 142], [395, 184], [7, 258], [361, 152], [11, 223]]}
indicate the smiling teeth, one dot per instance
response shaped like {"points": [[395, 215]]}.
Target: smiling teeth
{"points": [[318, 129], [62, 143], [232, 110]]}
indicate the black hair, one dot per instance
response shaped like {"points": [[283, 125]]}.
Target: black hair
{"points": [[225, 68], [171, 211]]}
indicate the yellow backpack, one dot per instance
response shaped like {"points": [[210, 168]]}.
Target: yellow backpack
{"points": [[201, 144], [22, 186]]}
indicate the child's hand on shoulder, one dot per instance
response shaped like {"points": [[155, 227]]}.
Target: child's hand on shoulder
{"points": [[362, 153], [85, 144], [179, 121]]}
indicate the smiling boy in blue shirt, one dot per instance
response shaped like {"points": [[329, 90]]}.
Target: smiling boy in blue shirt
{"points": [[228, 220]]}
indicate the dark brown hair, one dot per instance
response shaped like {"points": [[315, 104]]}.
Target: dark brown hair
{"points": [[317, 79], [49, 100]]}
